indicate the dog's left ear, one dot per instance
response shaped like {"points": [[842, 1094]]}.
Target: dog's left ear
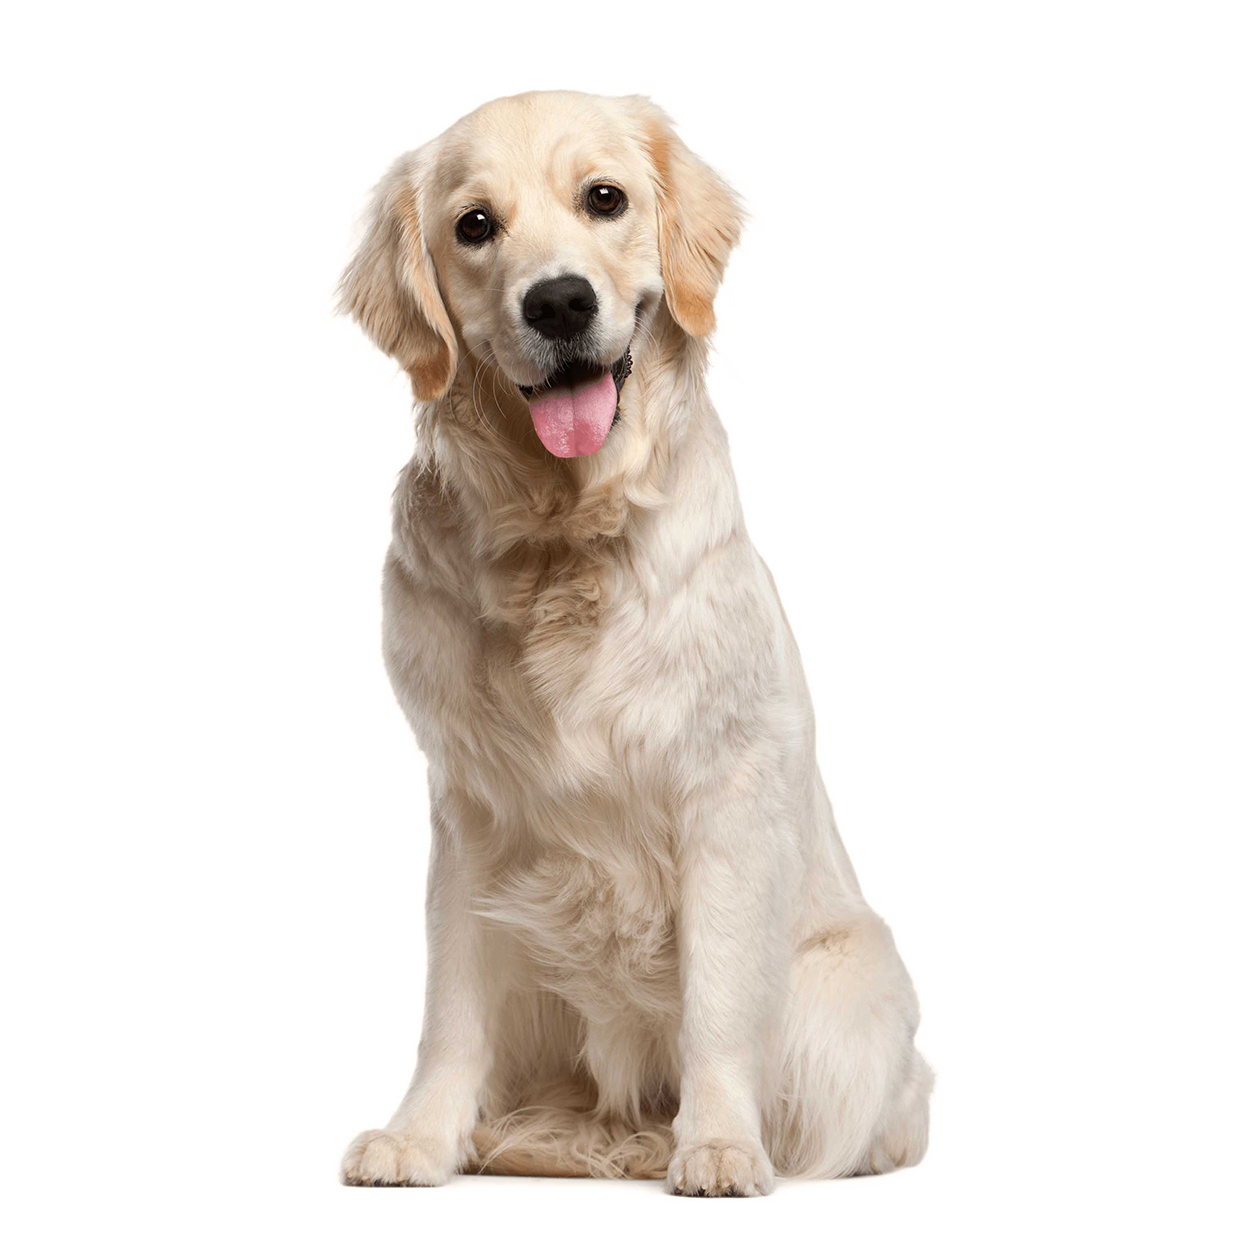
{"points": [[700, 221], [391, 286]]}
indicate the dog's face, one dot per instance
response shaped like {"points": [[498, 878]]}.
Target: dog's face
{"points": [[542, 224], [539, 235]]}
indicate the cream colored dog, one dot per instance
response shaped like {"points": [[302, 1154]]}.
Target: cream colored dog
{"points": [[648, 952]]}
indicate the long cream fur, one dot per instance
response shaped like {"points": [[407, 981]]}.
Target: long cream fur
{"points": [[648, 951]]}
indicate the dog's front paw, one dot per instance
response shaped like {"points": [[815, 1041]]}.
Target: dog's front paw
{"points": [[720, 1168], [381, 1158]]}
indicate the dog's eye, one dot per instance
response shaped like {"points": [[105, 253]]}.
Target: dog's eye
{"points": [[605, 200], [475, 227]]}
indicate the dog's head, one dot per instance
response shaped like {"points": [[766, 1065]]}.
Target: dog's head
{"points": [[538, 236]]}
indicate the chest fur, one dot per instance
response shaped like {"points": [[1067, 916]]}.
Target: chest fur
{"points": [[562, 662], [597, 931]]}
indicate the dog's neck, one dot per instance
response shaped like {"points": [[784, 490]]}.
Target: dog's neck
{"points": [[480, 442]]}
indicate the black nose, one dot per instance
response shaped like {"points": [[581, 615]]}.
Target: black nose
{"points": [[560, 308]]}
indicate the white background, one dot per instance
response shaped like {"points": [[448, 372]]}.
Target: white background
{"points": [[983, 362]]}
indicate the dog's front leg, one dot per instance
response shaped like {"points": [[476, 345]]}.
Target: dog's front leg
{"points": [[732, 971], [427, 1138]]}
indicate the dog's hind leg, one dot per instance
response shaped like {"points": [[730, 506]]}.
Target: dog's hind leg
{"points": [[851, 1092]]}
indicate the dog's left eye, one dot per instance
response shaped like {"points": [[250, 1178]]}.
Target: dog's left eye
{"points": [[605, 200]]}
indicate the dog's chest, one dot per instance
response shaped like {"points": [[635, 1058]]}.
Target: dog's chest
{"points": [[597, 930], [579, 693], [590, 900]]}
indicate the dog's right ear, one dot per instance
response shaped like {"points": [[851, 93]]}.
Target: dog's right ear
{"points": [[391, 287]]}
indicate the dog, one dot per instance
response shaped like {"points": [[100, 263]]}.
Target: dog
{"points": [[649, 955]]}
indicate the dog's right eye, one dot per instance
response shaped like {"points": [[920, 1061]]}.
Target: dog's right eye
{"points": [[475, 227]]}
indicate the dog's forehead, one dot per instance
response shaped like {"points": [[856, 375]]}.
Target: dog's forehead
{"points": [[546, 142]]}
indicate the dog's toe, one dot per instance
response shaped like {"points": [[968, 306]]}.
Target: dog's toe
{"points": [[719, 1168], [381, 1158]]}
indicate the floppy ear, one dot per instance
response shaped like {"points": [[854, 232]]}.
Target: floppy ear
{"points": [[700, 220], [391, 287]]}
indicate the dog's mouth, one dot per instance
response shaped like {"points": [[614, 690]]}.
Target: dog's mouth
{"points": [[576, 406]]}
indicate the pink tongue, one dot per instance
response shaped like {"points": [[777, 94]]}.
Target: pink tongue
{"points": [[574, 421]]}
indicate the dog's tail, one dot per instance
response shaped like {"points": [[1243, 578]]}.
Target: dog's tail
{"points": [[558, 1134]]}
